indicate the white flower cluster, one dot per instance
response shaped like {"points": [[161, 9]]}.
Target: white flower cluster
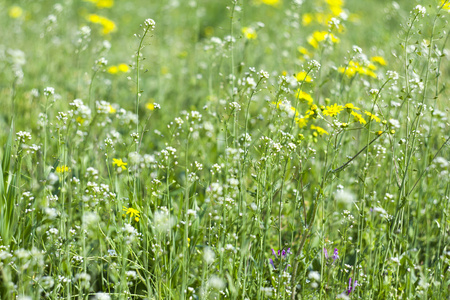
{"points": [[150, 23]]}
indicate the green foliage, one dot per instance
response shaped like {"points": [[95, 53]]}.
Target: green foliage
{"points": [[261, 149]]}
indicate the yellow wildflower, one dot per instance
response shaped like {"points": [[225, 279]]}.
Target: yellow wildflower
{"points": [[249, 33], [132, 212], [333, 110], [80, 120], [123, 68], [302, 122], [113, 70], [102, 3], [304, 52], [119, 163], [307, 19], [108, 25], [301, 95], [112, 109], [446, 5], [319, 36], [350, 106], [274, 3], [372, 116], [378, 59], [62, 169], [371, 67], [319, 130], [15, 12], [336, 10], [358, 117], [303, 76], [354, 67], [150, 106]]}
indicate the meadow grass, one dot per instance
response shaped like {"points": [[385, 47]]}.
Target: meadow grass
{"points": [[232, 149]]}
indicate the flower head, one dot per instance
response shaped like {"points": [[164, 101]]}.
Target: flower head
{"points": [[15, 11], [249, 33], [372, 116], [350, 287], [119, 163], [301, 95], [351, 107], [333, 110], [378, 59], [62, 169], [303, 76], [358, 117], [319, 130], [132, 212], [335, 254]]}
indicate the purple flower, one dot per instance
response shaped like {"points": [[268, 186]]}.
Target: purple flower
{"points": [[281, 258], [335, 254], [350, 288], [325, 252], [271, 262]]}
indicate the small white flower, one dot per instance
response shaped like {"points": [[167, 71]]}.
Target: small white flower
{"points": [[420, 10], [150, 23]]}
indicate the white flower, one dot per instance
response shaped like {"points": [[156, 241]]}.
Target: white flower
{"points": [[216, 282], [102, 296], [150, 23], [314, 275], [48, 91], [208, 255], [419, 9]]}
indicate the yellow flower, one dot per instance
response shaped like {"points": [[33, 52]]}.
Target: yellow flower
{"points": [[102, 3], [301, 95], [273, 3], [105, 3], [307, 19], [351, 106], [354, 67], [132, 212], [123, 68], [119, 163], [319, 36], [358, 117], [303, 76], [446, 5], [378, 59], [15, 12], [302, 122], [112, 109], [304, 52], [150, 106], [80, 120], [333, 110], [108, 25], [319, 130], [336, 10], [62, 169], [371, 67], [372, 116], [249, 33], [113, 70]]}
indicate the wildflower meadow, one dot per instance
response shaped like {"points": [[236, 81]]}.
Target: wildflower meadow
{"points": [[232, 149]]}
